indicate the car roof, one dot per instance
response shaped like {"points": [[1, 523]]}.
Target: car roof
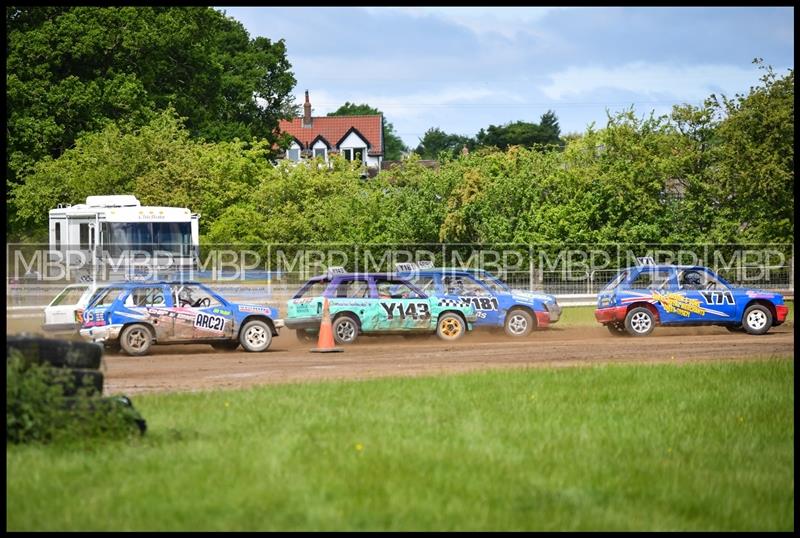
{"points": [[664, 266], [129, 284], [353, 275]]}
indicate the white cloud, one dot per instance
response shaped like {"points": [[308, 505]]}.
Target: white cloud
{"points": [[506, 21], [693, 82]]}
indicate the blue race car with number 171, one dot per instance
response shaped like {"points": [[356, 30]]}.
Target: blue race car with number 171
{"points": [[639, 298]]}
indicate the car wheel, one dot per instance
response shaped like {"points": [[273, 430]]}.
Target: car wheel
{"points": [[226, 346], [617, 329], [304, 336], [345, 330], [450, 327], [136, 340], [518, 323], [55, 352], [256, 335], [757, 319], [640, 321]]}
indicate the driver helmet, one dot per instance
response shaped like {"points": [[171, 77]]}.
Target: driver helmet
{"points": [[186, 295], [692, 279]]}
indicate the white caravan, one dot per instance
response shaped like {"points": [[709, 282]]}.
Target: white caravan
{"points": [[112, 236]]}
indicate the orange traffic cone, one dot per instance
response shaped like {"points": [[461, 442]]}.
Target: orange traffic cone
{"points": [[325, 343]]}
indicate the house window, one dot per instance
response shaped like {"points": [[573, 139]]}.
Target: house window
{"points": [[351, 154], [293, 154], [58, 235], [319, 152]]}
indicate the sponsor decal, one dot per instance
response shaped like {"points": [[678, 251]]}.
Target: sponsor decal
{"points": [[753, 294], [175, 313], [406, 310], [209, 322], [255, 308], [79, 316], [222, 312], [677, 303]]}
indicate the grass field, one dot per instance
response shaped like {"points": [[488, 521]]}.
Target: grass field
{"points": [[666, 447]]}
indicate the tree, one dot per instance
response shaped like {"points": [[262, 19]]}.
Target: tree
{"points": [[393, 146], [71, 71], [435, 142], [521, 133]]}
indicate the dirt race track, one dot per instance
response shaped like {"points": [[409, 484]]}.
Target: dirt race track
{"points": [[199, 367]]}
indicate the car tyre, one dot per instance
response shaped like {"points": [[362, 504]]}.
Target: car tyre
{"points": [[345, 330], [62, 353], [640, 321], [757, 319], [450, 327], [136, 339], [617, 329], [519, 323], [255, 336]]}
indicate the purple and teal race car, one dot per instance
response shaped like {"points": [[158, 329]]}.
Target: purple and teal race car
{"points": [[373, 303], [639, 298], [134, 316]]}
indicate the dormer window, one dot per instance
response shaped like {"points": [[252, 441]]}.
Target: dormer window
{"points": [[293, 154], [320, 152]]}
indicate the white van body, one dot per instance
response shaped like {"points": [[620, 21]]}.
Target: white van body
{"points": [[115, 236]]}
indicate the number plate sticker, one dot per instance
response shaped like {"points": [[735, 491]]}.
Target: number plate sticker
{"points": [[209, 322]]}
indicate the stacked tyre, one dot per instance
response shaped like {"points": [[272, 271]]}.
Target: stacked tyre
{"points": [[75, 366]]}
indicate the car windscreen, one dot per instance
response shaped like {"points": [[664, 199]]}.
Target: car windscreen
{"points": [[616, 281], [315, 288]]}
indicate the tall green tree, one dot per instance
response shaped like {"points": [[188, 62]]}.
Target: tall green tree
{"points": [[74, 70], [393, 146], [435, 143], [521, 133]]}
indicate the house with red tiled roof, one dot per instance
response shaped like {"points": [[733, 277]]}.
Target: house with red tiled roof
{"points": [[354, 137]]}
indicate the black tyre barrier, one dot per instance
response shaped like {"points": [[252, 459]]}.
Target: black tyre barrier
{"points": [[74, 379], [111, 404], [62, 353]]}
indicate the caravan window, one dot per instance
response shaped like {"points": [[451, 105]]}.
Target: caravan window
{"points": [[173, 237]]}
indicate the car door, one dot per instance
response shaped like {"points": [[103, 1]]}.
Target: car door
{"points": [[151, 304], [401, 306], [714, 301], [201, 314], [466, 290]]}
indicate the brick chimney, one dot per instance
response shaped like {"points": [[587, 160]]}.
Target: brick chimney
{"points": [[307, 112]]}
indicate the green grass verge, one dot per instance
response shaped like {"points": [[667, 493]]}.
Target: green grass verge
{"points": [[583, 316], [659, 447]]}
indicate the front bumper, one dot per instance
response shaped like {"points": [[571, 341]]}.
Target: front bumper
{"points": [[99, 335], [612, 314], [554, 309]]}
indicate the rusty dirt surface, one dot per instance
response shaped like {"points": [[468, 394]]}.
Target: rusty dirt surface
{"points": [[195, 367]]}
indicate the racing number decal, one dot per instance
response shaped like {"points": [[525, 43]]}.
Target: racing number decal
{"points": [[207, 321], [717, 297], [481, 303], [411, 310]]}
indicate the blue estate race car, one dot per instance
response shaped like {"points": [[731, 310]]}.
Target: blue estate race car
{"points": [[137, 315], [638, 298], [497, 305]]}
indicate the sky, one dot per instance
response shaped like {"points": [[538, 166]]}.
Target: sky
{"points": [[463, 69]]}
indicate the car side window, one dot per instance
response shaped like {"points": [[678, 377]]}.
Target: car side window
{"points": [[146, 297], [313, 289], [698, 279], [352, 288], [394, 289], [426, 284], [193, 296], [107, 296], [460, 285]]}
